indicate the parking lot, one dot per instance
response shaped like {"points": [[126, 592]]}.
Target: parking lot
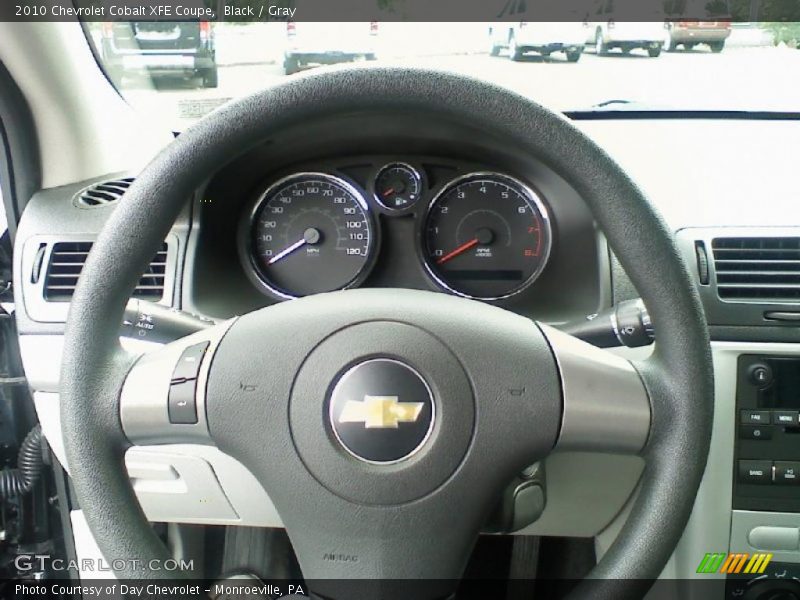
{"points": [[734, 79]]}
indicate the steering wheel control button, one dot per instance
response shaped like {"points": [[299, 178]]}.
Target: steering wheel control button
{"points": [[755, 417], [181, 403], [381, 411], [189, 363], [755, 471], [787, 472]]}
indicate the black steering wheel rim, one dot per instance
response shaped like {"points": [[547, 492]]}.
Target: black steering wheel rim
{"points": [[678, 376]]}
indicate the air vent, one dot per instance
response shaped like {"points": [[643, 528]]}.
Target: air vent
{"points": [[104, 193], [66, 263], [763, 269]]}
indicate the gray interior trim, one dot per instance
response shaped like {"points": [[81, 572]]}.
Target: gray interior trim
{"points": [[606, 406], [758, 531], [20, 169], [144, 398], [32, 296], [51, 216], [733, 312]]}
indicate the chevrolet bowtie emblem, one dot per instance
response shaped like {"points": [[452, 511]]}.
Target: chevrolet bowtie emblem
{"points": [[380, 412]]}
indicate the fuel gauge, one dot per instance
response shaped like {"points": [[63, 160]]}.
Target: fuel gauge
{"points": [[398, 186]]}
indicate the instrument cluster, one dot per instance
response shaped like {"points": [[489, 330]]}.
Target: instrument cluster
{"points": [[479, 234]]}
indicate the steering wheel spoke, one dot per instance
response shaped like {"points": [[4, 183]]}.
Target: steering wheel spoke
{"points": [[606, 404], [163, 398]]}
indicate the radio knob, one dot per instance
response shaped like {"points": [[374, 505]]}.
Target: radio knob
{"points": [[773, 590], [778, 595], [761, 375]]}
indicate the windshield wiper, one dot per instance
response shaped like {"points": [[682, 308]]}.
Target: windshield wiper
{"points": [[615, 102], [623, 104], [621, 108]]}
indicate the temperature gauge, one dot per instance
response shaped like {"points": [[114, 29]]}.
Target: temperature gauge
{"points": [[398, 186]]}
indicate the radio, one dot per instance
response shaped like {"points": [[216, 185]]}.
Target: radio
{"points": [[767, 445]]}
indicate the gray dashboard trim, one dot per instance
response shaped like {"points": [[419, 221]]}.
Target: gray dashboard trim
{"points": [[40, 309], [745, 521], [740, 313], [714, 526], [52, 216]]}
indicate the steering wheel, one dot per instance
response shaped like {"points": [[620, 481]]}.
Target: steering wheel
{"points": [[308, 394]]}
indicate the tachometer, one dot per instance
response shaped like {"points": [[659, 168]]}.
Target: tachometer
{"points": [[310, 233], [486, 236]]}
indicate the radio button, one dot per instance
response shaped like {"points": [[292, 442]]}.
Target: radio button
{"points": [[787, 472], [786, 417], [755, 471], [755, 432], [754, 417]]}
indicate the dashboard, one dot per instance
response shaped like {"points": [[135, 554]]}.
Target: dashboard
{"points": [[212, 269], [482, 235], [516, 237]]}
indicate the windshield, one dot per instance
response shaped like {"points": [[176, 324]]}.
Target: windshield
{"points": [[178, 71]]}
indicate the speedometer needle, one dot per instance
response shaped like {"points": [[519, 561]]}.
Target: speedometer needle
{"points": [[311, 236], [460, 250]]}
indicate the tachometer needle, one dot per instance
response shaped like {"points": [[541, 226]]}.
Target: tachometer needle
{"points": [[461, 249], [311, 236]]}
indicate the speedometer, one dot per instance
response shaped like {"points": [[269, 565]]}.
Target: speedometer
{"points": [[310, 233], [486, 236]]}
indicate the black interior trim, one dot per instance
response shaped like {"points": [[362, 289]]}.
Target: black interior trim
{"points": [[20, 166]]}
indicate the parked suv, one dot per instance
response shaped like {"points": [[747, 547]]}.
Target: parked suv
{"points": [[608, 32], [544, 38], [325, 43], [697, 22], [161, 47], [691, 33]]}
